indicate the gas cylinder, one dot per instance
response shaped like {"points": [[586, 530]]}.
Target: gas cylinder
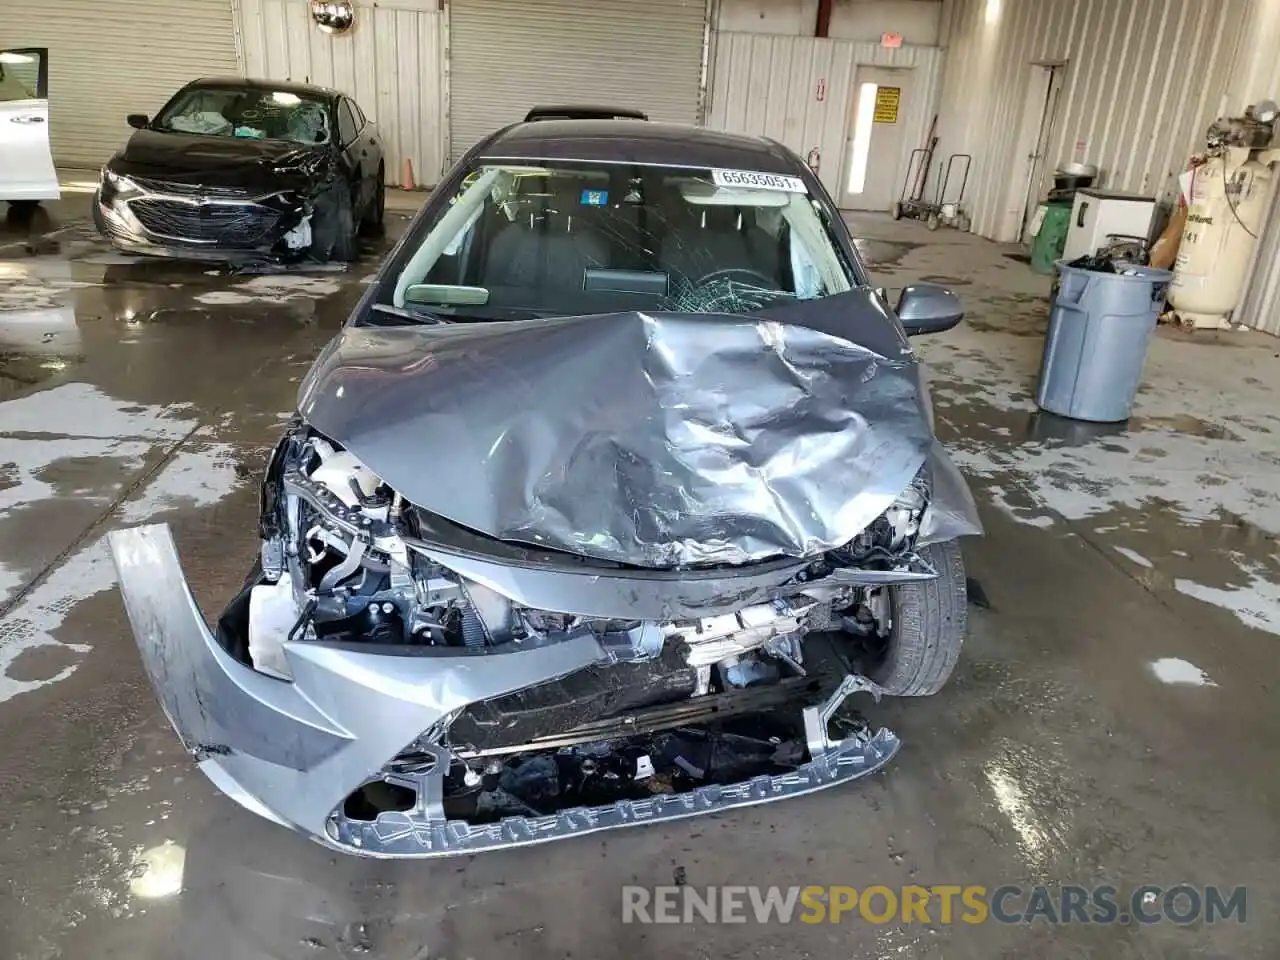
{"points": [[1224, 218]]}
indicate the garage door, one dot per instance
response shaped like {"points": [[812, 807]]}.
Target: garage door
{"points": [[508, 55], [107, 60]]}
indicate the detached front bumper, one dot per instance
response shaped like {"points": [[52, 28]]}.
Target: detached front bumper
{"points": [[293, 751]]}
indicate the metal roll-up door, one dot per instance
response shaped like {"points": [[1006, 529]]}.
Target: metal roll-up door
{"points": [[107, 60], [506, 56]]}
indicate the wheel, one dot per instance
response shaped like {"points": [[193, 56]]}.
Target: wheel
{"points": [[333, 229], [927, 626], [933, 222], [372, 222], [896, 210]]}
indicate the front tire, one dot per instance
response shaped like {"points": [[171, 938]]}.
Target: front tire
{"points": [[372, 224], [929, 619], [333, 232]]}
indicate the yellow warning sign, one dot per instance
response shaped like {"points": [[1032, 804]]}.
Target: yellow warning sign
{"points": [[887, 104]]}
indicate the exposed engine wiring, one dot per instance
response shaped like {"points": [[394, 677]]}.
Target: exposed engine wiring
{"points": [[300, 625]]}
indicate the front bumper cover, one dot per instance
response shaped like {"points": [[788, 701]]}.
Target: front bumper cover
{"points": [[117, 222], [293, 751]]}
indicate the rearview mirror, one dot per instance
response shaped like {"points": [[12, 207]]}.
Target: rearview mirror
{"points": [[137, 120], [928, 308]]}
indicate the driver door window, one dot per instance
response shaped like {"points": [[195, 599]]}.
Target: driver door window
{"points": [[24, 74], [347, 126]]}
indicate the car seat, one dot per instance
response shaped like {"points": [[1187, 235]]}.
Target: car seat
{"points": [[715, 239], [550, 247]]}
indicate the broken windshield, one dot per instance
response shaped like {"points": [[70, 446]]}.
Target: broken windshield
{"points": [[247, 113], [573, 239]]}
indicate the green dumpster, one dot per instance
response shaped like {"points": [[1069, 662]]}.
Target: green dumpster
{"points": [[1052, 237]]}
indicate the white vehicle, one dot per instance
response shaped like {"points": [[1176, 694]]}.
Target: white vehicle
{"points": [[26, 162]]}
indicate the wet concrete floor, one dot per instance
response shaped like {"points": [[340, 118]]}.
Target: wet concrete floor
{"points": [[1112, 720]]}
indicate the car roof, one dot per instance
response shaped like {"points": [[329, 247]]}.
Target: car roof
{"points": [[251, 83], [640, 142]]}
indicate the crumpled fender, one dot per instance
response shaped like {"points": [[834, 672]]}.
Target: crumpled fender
{"points": [[952, 511]]}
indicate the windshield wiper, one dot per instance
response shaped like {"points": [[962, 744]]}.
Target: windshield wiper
{"points": [[474, 312], [409, 316], [458, 313], [489, 313]]}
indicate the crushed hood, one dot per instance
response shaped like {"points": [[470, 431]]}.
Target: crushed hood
{"points": [[654, 439], [217, 161]]}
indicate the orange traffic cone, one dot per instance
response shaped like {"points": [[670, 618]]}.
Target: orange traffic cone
{"points": [[406, 176]]}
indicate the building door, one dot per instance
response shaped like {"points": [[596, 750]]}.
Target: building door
{"points": [[1035, 133], [874, 138], [110, 60]]}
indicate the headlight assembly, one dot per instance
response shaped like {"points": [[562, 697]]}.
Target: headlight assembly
{"points": [[114, 184]]}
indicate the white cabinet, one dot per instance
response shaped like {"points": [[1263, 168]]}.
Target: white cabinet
{"points": [[1098, 214]]}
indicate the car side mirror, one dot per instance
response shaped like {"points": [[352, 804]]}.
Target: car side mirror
{"points": [[138, 121], [928, 308]]}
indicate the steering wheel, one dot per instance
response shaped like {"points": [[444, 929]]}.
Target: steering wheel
{"points": [[728, 273]]}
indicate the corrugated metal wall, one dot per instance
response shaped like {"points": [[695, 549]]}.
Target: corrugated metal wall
{"points": [[1143, 80], [1257, 77], [391, 62], [1260, 304], [107, 62], [769, 86], [646, 56]]}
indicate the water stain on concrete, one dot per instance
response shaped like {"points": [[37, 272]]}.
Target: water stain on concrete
{"points": [[882, 253], [41, 664], [1019, 316], [1184, 423]]}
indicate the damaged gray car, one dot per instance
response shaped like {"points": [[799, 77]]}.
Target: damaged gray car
{"points": [[619, 483]]}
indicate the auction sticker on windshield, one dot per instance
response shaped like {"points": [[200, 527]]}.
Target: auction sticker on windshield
{"points": [[761, 181]]}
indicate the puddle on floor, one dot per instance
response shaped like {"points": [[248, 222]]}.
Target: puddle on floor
{"points": [[1183, 423], [20, 371], [1018, 316], [881, 253]]}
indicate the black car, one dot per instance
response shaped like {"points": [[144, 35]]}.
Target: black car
{"points": [[245, 169]]}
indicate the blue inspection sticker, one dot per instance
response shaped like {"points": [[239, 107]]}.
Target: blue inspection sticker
{"points": [[595, 198]]}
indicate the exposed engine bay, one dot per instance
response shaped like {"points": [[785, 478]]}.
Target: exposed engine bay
{"points": [[348, 567]]}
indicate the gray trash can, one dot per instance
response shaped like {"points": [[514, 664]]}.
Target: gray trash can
{"points": [[1097, 340]]}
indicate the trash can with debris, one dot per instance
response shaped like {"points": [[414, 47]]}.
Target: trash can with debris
{"points": [[1097, 340]]}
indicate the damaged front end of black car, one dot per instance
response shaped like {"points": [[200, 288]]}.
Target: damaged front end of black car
{"points": [[170, 217], [236, 172]]}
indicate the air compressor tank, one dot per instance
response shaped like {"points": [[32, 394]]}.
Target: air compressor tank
{"points": [[1225, 214]]}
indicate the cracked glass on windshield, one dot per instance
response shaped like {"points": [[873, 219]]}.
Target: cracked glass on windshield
{"points": [[525, 240], [247, 113]]}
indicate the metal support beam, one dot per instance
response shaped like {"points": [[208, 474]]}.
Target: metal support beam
{"points": [[823, 25]]}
